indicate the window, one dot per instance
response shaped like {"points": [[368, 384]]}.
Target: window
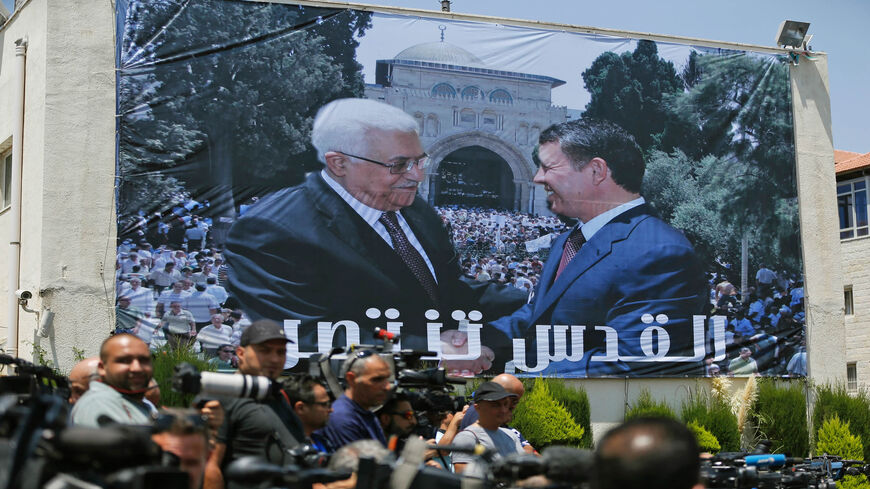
{"points": [[472, 93], [500, 96], [443, 90], [851, 377], [6, 180], [852, 207], [850, 305], [468, 118]]}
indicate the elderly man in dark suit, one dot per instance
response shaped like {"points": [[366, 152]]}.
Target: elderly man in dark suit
{"points": [[620, 267], [354, 240]]}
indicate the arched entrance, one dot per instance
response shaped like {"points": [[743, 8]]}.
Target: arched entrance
{"points": [[474, 177], [500, 160]]}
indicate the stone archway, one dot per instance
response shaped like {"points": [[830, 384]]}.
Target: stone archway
{"points": [[520, 165]]}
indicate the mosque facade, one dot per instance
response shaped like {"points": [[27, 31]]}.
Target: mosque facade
{"points": [[479, 124]]}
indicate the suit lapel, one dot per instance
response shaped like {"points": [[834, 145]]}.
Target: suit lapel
{"points": [[593, 251], [354, 234]]}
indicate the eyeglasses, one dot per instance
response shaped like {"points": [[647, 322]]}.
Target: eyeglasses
{"points": [[226, 351], [325, 404], [402, 165], [357, 355], [409, 415]]}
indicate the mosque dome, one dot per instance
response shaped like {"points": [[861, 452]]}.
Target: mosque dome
{"points": [[440, 52]]}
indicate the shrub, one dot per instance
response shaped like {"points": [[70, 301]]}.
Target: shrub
{"points": [[835, 401], [706, 440], [646, 406], [781, 412], [834, 438], [165, 360], [545, 422], [713, 414], [577, 403]]}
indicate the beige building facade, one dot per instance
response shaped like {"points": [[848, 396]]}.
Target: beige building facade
{"points": [[853, 178]]}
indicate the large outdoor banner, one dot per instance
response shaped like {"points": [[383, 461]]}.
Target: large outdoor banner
{"points": [[509, 198]]}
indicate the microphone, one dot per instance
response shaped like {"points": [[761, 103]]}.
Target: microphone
{"points": [[383, 334]]}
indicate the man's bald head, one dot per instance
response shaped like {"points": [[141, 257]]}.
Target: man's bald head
{"points": [[510, 384], [80, 377]]}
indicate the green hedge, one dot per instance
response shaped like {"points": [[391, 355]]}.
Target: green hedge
{"points": [[836, 401], [165, 360], [834, 438], [645, 406], [544, 421], [715, 416], [781, 413], [576, 401], [706, 441]]}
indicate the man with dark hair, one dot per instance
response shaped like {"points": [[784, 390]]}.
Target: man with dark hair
{"points": [[312, 405], [397, 417], [184, 433], [620, 267], [125, 370], [368, 380], [265, 429], [648, 453]]}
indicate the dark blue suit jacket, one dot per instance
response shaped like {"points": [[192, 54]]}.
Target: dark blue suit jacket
{"points": [[304, 253], [636, 264]]}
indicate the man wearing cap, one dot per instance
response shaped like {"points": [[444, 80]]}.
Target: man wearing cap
{"points": [[493, 405], [265, 429]]}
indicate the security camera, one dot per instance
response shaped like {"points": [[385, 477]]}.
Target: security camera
{"points": [[23, 294]]}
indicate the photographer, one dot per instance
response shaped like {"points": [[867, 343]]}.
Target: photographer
{"points": [[265, 429], [184, 433], [311, 404], [514, 386], [125, 371], [368, 380], [397, 417], [493, 405], [648, 453]]}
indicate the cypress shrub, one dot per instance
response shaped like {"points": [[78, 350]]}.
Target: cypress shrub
{"points": [[714, 415], [706, 441], [834, 438], [834, 400], [645, 406], [781, 412], [545, 422], [164, 361], [576, 401]]}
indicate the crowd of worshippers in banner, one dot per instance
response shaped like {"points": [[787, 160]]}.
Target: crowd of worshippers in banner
{"points": [[176, 288]]}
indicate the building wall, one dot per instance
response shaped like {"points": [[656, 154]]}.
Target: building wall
{"points": [[68, 220], [856, 274], [29, 23], [817, 198]]}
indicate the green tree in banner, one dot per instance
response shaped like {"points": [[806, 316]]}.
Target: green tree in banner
{"points": [[238, 83], [628, 89], [740, 107]]}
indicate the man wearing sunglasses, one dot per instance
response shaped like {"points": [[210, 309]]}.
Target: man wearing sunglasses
{"points": [[355, 237], [397, 417]]}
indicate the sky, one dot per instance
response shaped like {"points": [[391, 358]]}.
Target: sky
{"points": [[836, 26]]}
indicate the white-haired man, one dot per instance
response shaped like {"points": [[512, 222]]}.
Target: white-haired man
{"points": [[355, 236]]}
